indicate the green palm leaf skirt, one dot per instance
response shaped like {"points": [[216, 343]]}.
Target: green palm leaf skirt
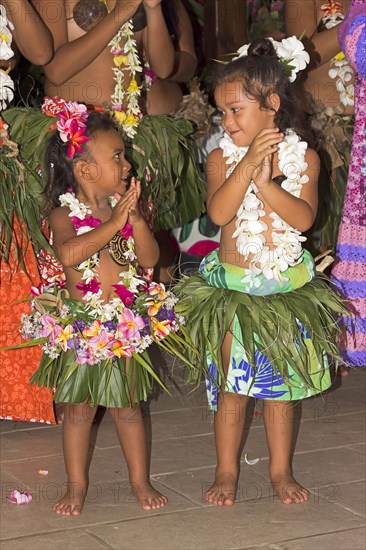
{"points": [[283, 334], [118, 383]]}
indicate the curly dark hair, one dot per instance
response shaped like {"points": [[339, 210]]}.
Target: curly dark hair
{"points": [[261, 75], [60, 168]]}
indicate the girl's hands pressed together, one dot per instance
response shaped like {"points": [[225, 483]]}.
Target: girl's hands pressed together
{"points": [[262, 176], [121, 211], [134, 213], [265, 143]]}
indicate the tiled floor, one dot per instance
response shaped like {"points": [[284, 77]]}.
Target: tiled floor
{"points": [[329, 460]]}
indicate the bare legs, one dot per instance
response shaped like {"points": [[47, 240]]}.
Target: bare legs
{"points": [[131, 434], [279, 424], [228, 426], [76, 428], [229, 423]]}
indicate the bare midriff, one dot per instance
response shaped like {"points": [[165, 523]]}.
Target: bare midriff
{"points": [[108, 272], [164, 97]]}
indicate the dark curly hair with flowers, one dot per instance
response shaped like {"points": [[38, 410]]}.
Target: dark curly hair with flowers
{"points": [[60, 168]]}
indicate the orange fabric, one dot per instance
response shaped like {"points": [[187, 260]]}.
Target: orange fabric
{"points": [[19, 400]]}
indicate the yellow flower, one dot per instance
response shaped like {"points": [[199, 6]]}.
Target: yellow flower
{"points": [[120, 60], [133, 87], [339, 57], [120, 116], [64, 336], [131, 120]]}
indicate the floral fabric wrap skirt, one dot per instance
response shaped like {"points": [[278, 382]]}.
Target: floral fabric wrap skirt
{"points": [[283, 333]]}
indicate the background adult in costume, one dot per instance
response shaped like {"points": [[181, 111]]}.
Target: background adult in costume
{"points": [[85, 48], [262, 318], [349, 271], [328, 82], [18, 213]]}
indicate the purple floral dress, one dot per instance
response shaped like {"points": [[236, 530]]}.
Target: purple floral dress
{"points": [[349, 271]]}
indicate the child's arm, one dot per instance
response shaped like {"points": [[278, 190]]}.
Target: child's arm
{"points": [[158, 45], [185, 59], [301, 19], [32, 37], [146, 247], [72, 57], [300, 212], [224, 196], [72, 249]]}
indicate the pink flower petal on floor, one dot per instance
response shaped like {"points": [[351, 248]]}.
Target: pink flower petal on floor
{"points": [[17, 497]]}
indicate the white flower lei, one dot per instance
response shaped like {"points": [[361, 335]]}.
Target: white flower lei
{"points": [[6, 83], [340, 69], [98, 308], [249, 228], [129, 59]]}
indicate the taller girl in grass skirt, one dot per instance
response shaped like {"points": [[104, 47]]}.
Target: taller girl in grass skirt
{"points": [[263, 319]]}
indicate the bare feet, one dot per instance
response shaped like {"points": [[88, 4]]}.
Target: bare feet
{"points": [[288, 490], [147, 496], [223, 490], [71, 504]]}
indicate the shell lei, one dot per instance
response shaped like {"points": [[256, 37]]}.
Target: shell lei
{"points": [[249, 228], [6, 83], [340, 69], [98, 308]]}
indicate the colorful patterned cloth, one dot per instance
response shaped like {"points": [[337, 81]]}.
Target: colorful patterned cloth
{"points": [[281, 332], [349, 272]]}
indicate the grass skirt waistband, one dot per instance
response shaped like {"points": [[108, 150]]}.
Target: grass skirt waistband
{"points": [[280, 340]]}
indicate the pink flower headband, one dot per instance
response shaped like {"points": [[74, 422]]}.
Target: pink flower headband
{"points": [[71, 125]]}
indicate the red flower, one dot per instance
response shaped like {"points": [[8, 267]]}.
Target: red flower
{"points": [[89, 221], [126, 232], [75, 138], [93, 286], [124, 294]]}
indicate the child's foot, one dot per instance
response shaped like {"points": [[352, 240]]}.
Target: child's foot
{"points": [[147, 496], [223, 489], [343, 371], [71, 504], [288, 490]]}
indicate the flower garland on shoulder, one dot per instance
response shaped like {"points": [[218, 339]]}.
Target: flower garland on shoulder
{"points": [[340, 69], [6, 53]]}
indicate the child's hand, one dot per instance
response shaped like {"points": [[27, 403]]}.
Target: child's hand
{"points": [[265, 143], [151, 3], [122, 209], [135, 214], [262, 175], [125, 9]]}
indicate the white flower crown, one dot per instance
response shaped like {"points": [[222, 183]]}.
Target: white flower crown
{"points": [[291, 54]]}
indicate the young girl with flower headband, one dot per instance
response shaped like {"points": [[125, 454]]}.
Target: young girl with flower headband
{"points": [[96, 325], [261, 316]]}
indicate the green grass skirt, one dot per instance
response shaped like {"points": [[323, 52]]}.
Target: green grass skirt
{"points": [[281, 341]]}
